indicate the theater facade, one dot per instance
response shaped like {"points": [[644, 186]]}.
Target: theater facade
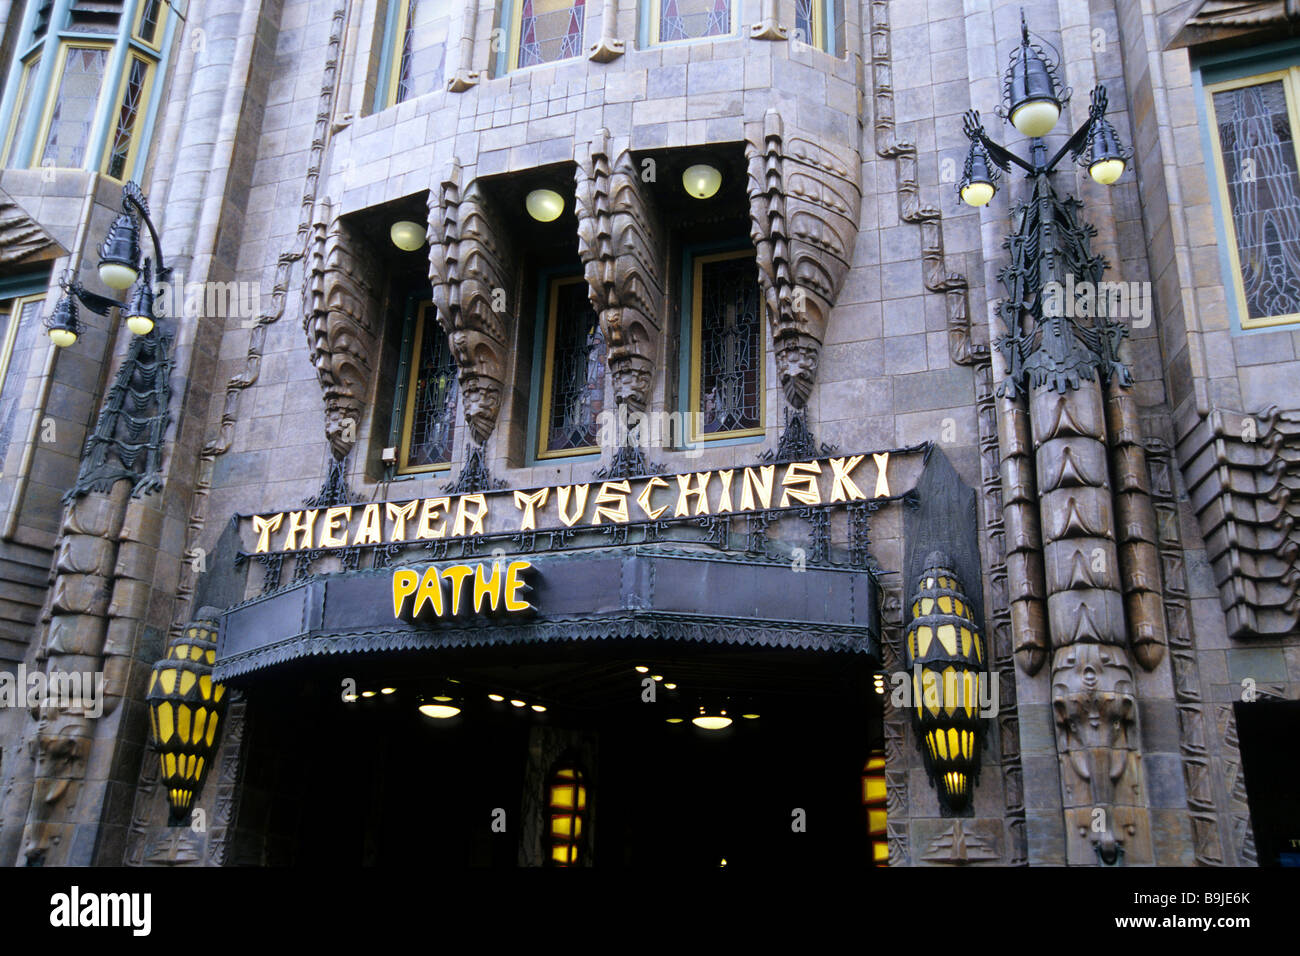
{"points": [[649, 433]]}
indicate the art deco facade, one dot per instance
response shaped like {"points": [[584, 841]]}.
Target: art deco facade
{"points": [[590, 423]]}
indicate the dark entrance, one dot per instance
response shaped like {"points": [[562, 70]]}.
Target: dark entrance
{"points": [[1267, 731]]}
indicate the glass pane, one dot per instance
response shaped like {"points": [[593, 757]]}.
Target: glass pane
{"points": [[577, 370], [1259, 163], [404, 64], [126, 119], [24, 105], [433, 419], [74, 108], [691, 19], [13, 373], [150, 15], [549, 30], [803, 20], [730, 345]]}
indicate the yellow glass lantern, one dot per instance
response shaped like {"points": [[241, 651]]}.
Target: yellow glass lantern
{"points": [[567, 815], [873, 801], [185, 711], [944, 653]]}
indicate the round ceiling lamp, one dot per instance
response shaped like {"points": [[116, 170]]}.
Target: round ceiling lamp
{"points": [[714, 721], [407, 235], [701, 180], [544, 205]]}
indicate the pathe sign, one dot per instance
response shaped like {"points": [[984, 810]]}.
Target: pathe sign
{"points": [[461, 589]]}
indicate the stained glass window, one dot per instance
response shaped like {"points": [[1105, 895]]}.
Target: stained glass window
{"points": [[430, 416], [27, 84], [15, 315], [692, 19], [74, 107], [150, 16], [806, 25], [1258, 151], [548, 30], [727, 386], [567, 812], [127, 117], [574, 381], [402, 91]]}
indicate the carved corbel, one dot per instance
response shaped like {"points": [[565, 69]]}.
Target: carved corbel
{"points": [[804, 200], [465, 77], [341, 323], [618, 239], [469, 267], [768, 28], [608, 47]]}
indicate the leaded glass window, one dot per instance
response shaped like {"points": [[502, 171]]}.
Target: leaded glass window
{"points": [[573, 382], [27, 84], [727, 335], [80, 83], [1254, 122], [430, 414], [16, 315], [692, 19], [807, 21], [402, 89], [128, 116], [151, 12], [547, 30]]}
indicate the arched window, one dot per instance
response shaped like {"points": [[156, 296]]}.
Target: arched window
{"points": [[567, 816]]}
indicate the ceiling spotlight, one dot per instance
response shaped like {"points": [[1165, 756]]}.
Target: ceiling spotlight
{"points": [[544, 205], [711, 723], [750, 716], [539, 708], [349, 697], [642, 669], [406, 235], [439, 711], [367, 693], [656, 676], [518, 703], [670, 686], [701, 180], [674, 720], [388, 690], [496, 697]]}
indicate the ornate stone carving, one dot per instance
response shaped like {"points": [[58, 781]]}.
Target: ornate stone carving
{"points": [[60, 747], [804, 199], [465, 76], [21, 237], [471, 268], [341, 319], [768, 28], [619, 241], [1243, 478], [608, 47], [1213, 20]]}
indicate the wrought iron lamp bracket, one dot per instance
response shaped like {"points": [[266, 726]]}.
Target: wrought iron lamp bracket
{"points": [[135, 203]]}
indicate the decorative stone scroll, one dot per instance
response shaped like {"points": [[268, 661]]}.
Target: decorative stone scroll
{"points": [[804, 200], [471, 269], [619, 241]]}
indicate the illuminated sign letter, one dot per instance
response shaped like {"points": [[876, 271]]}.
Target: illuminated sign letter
{"points": [[762, 486], [843, 487], [336, 520], [399, 515], [700, 493], [643, 499], [457, 574], [299, 525], [580, 501], [428, 514], [612, 493], [371, 529], [801, 473], [404, 585], [724, 499], [475, 520], [882, 479], [530, 504], [430, 593], [489, 588], [264, 527], [515, 584]]}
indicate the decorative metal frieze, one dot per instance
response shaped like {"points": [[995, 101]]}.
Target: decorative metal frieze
{"points": [[804, 199], [619, 240], [1243, 477], [897, 724], [471, 267], [474, 474], [128, 437], [796, 442], [340, 318], [629, 461]]}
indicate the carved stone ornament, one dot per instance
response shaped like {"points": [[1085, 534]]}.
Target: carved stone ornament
{"points": [[466, 76], [341, 319], [1211, 20], [607, 47], [619, 241], [21, 236], [804, 199], [471, 269]]}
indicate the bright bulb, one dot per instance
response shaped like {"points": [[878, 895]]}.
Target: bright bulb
{"points": [[701, 180], [517, 703], [641, 670], [140, 324], [388, 690], [750, 716], [712, 723], [670, 686], [117, 276], [406, 235], [367, 693], [439, 711], [497, 697], [539, 708], [1036, 117], [63, 337], [977, 194], [544, 205], [1106, 171]]}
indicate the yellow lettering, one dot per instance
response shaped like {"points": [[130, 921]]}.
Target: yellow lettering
{"points": [[404, 584], [428, 513], [336, 520], [643, 499], [370, 530], [724, 499], [699, 493], [399, 515], [475, 520], [300, 525], [489, 588], [882, 479], [843, 487], [579, 493], [430, 593], [801, 473], [515, 584], [530, 503], [264, 527], [457, 574], [612, 493], [760, 486]]}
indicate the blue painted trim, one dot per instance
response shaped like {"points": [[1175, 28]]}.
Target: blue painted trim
{"points": [[386, 60], [114, 70], [30, 283], [155, 95], [506, 26], [25, 140], [21, 51]]}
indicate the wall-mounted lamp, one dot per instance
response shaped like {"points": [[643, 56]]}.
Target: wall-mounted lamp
{"points": [[406, 235], [701, 180], [544, 205]]}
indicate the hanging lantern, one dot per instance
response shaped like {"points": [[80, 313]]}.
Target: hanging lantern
{"points": [[62, 325], [945, 655], [139, 305], [185, 712], [119, 254], [567, 810], [1029, 88], [979, 179], [873, 801]]}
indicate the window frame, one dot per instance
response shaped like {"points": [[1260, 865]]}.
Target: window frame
{"points": [[30, 67], [419, 311], [41, 142], [549, 282], [693, 260], [512, 15], [650, 28], [142, 114], [16, 304], [390, 65]]}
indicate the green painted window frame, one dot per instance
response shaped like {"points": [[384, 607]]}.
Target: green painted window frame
{"points": [[419, 308]]}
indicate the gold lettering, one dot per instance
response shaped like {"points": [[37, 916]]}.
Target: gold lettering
{"points": [[475, 520], [643, 499], [843, 487], [612, 493], [700, 493], [300, 525], [430, 593], [514, 584], [428, 513], [801, 473], [336, 520], [579, 492], [371, 529], [399, 515], [762, 486], [724, 499], [457, 574], [882, 479], [530, 503], [264, 527], [404, 584], [489, 588]]}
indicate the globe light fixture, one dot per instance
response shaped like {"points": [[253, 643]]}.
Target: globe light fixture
{"points": [[712, 721], [139, 308], [701, 180], [978, 183], [544, 205], [119, 253], [62, 325], [1030, 88], [406, 235], [1105, 159]]}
